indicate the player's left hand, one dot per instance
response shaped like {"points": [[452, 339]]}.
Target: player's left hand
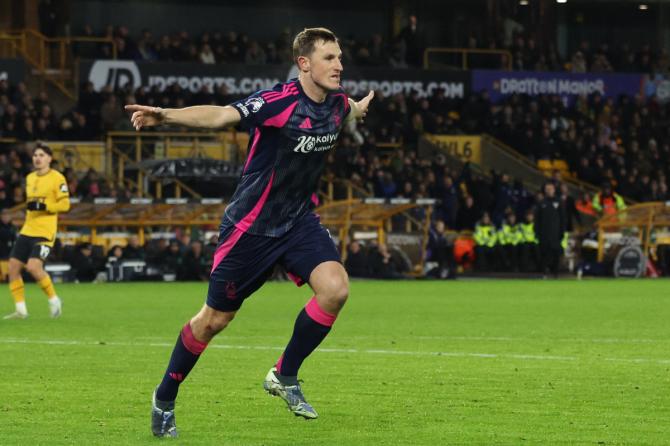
{"points": [[145, 116], [363, 105], [36, 206]]}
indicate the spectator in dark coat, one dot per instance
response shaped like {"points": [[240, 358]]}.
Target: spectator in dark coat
{"points": [[194, 267], [467, 215], [382, 265], [7, 234], [85, 265], [357, 261], [441, 250], [549, 229], [412, 38], [114, 254], [571, 214], [134, 251], [172, 259]]}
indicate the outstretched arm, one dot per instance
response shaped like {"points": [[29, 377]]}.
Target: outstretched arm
{"points": [[206, 116], [360, 109]]}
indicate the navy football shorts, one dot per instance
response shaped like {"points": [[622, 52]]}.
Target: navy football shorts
{"points": [[243, 262]]}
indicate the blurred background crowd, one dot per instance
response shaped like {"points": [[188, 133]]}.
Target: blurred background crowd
{"points": [[621, 145]]}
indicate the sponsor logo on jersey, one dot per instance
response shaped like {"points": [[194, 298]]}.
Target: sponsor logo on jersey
{"points": [[307, 144], [63, 188]]}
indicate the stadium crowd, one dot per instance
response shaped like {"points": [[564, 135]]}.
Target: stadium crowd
{"points": [[230, 47], [600, 139], [623, 142], [179, 258], [402, 50], [579, 134], [620, 144]]}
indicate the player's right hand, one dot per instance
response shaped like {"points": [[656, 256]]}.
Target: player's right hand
{"points": [[145, 116]]}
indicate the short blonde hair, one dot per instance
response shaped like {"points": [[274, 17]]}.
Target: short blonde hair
{"points": [[303, 44]]}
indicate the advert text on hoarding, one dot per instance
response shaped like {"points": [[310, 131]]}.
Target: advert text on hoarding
{"points": [[532, 86], [389, 88], [244, 85]]}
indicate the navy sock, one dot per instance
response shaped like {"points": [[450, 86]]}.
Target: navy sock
{"points": [[184, 356], [311, 327]]}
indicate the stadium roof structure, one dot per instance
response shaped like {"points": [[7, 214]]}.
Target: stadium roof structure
{"points": [[642, 219]]}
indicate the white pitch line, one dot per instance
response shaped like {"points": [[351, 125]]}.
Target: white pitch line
{"points": [[339, 350], [513, 339], [475, 338]]}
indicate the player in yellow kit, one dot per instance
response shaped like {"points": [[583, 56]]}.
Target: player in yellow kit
{"points": [[47, 196]]}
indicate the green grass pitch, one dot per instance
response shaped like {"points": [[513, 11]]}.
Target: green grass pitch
{"points": [[408, 363]]}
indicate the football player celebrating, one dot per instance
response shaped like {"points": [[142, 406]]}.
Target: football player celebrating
{"points": [[270, 218]]}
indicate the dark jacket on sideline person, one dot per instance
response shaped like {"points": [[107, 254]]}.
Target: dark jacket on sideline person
{"points": [[550, 224]]}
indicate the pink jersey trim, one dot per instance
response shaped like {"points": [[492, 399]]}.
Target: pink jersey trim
{"points": [[281, 119], [190, 342], [252, 150], [277, 95], [284, 88], [242, 227], [315, 199], [249, 219], [346, 100], [319, 316], [287, 90], [223, 250], [297, 280]]}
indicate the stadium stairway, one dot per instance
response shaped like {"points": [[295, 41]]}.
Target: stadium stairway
{"points": [[59, 102], [496, 155]]}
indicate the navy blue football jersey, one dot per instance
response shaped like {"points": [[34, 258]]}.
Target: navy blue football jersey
{"points": [[290, 137]]}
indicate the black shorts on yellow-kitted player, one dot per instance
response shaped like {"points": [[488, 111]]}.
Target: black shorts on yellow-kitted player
{"points": [[27, 247]]}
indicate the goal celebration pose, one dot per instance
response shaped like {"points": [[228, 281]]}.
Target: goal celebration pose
{"points": [[269, 219]]}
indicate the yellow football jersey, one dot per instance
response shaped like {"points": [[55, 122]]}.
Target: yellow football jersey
{"points": [[50, 189]]}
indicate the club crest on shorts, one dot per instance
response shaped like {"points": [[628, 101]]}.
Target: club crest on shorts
{"points": [[231, 290]]}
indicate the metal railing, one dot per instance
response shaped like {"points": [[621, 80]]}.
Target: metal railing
{"points": [[125, 148], [54, 58], [334, 189]]}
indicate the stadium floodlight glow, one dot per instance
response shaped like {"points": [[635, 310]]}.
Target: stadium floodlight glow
{"points": [[523, 2], [643, 7], [561, 1]]}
